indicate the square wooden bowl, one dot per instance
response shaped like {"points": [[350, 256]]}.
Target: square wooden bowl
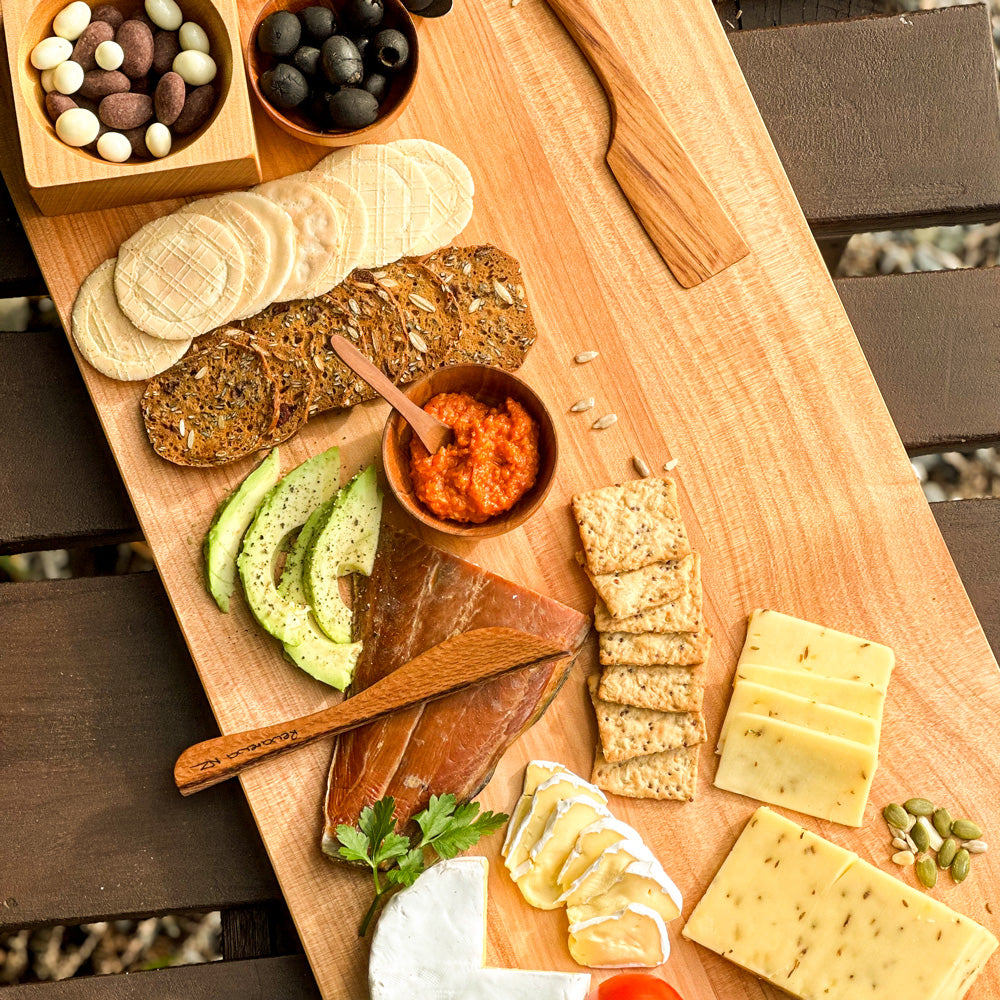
{"points": [[222, 155]]}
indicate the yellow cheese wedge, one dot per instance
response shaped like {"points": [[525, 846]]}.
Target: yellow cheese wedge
{"points": [[605, 870], [535, 773], [548, 794], [777, 640], [633, 937], [851, 696], [757, 699], [642, 882], [590, 844], [537, 877]]}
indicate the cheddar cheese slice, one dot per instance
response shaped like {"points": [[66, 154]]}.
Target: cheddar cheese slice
{"points": [[635, 937], [590, 844], [790, 766], [851, 696], [778, 640], [642, 882]]}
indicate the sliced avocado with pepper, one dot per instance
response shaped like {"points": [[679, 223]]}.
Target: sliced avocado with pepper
{"points": [[345, 541], [332, 663], [290, 581], [232, 518]]}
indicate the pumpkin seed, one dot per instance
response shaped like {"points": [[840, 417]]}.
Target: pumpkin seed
{"points": [[603, 423], [895, 815], [942, 822], [904, 858], [919, 837], [934, 839], [583, 404], [927, 872], [640, 466], [584, 356], [960, 866], [919, 807], [947, 853], [965, 829]]}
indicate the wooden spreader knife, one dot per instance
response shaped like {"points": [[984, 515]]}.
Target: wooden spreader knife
{"points": [[469, 658], [684, 219]]}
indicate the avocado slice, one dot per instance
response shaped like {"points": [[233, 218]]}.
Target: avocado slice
{"points": [[332, 663], [285, 508], [344, 542], [232, 518], [290, 581]]}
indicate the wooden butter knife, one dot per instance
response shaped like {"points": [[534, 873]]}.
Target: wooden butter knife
{"points": [[690, 228], [469, 658]]}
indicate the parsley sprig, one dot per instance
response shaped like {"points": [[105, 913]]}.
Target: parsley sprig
{"points": [[446, 829]]}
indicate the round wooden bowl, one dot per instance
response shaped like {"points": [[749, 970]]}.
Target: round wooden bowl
{"points": [[224, 51], [489, 385], [295, 123]]}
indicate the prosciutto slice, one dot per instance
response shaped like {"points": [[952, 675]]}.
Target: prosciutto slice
{"points": [[417, 596]]}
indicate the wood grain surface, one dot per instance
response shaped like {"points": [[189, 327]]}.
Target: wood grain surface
{"points": [[793, 483]]}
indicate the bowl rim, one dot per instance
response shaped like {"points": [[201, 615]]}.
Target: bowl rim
{"points": [[338, 137], [501, 523]]}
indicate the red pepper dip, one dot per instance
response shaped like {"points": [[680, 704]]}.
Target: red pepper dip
{"points": [[490, 465]]}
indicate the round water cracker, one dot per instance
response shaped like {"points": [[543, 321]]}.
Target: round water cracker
{"points": [[317, 232], [179, 276], [395, 193], [353, 217], [451, 190], [254, 239], [107, 338]]}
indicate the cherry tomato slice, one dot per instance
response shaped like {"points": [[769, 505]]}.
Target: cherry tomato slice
{"points": [[635, 986]]}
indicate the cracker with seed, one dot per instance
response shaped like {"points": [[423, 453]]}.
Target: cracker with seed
{"points": [[627, 731], [672, 774], [682, 614], [664, 689], [632, 525], [627, 593], [649, 649]]}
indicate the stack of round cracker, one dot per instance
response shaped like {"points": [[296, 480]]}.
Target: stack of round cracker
{"points": [[223, 259]]}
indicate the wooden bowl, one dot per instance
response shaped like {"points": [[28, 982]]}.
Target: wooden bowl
{"points": [[221, 155], [294, 122], [489, 385]]}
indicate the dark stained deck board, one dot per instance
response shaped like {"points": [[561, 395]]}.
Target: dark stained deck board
{"points": [[285, 978], [773, 13], [19, 273], [60, 485], [884, 122], [932, 341], [98, 696]]}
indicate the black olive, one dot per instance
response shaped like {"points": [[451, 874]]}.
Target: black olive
{"points": [[437, 8], [315, 108], [351, 108], [318, 22], [376, 85], [279, 34], [390, 51], [362, 44], [306, 60], [363, 15], [341, 61], [284, 86], [416, 6]]}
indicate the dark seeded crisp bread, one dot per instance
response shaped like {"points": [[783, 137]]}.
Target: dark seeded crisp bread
{"points": [[286, 366]]}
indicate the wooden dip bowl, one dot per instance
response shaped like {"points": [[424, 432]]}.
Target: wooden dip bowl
{"points": [[294, 122], [492, 386]]}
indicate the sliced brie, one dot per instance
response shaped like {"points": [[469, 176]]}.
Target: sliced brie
{"points": [[431, 942], [536, 877], [547, 795], [535, 773], [641, 882], [591, 843], [604, 872], [634, 937]]}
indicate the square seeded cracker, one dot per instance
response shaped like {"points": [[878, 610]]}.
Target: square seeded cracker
{"points": [[651, 648], [632, 525], [672, 774], [628, 732], [664, 689], [626, 593], [682, 614]]}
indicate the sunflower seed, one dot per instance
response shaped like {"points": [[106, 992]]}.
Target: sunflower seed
{"points": [[354, 307], [903, 858], [389, 282], [640, 466], [899, 843], [354, 334], [976, 846], [502, 293], [583, 404], [201, 372], [585, 356], [603, 423], [190, 440], [670, 466], [418, 342], [421, 303], [467, 268], [180, 427], [474, 305]]}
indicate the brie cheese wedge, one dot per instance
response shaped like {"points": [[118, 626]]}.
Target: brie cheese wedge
{"points": [[604, 872], [591, 843], [535, 773], [635, 937], [641, 882]]}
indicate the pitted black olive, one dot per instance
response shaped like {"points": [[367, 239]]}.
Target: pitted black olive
{"points": [[279, 34], [363, 15], [306, 60], [284, 86], [342, 62], [318, 22], [351, 108], [390, 51]]}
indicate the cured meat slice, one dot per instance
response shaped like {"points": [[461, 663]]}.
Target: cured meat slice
{"points": [[419, 595]]}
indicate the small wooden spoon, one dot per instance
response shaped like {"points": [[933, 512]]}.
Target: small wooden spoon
{"points": [[432, 432], [469, 658]]}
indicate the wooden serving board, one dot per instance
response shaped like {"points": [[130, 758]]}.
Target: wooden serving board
{"points": [[794, 485]]}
